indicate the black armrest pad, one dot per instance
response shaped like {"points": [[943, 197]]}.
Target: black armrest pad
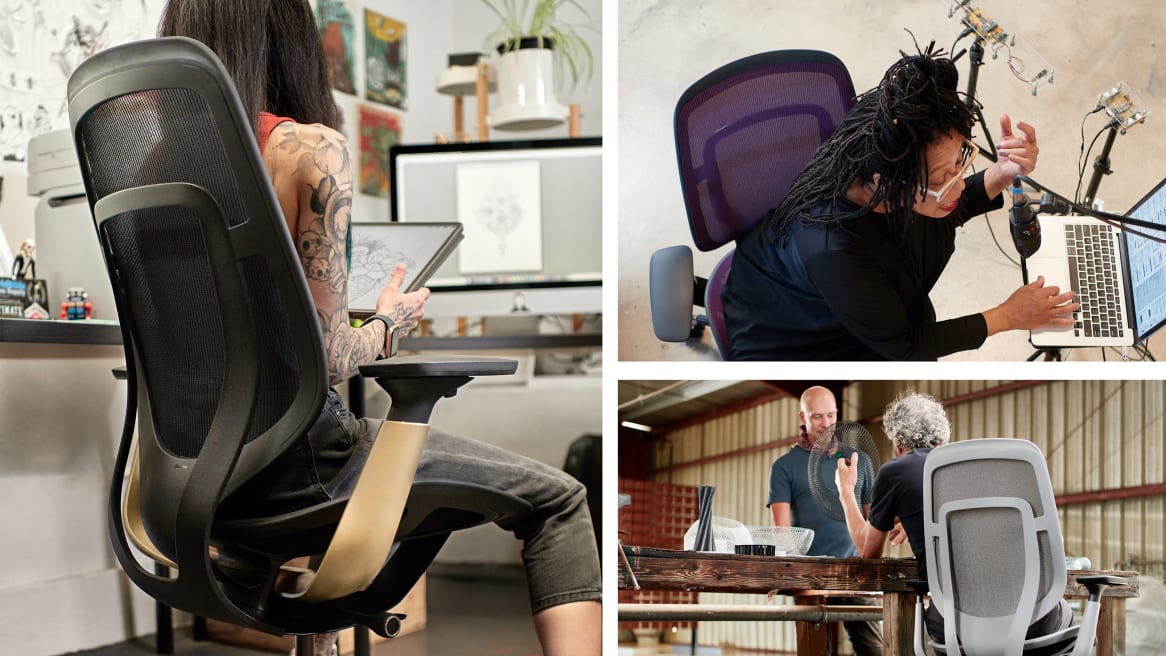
{"points": [[1102, 578], [429, 366], [121, 373]]}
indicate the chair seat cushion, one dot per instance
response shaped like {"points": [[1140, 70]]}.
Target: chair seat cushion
{"points": [[1053, 644], [433, 507]]}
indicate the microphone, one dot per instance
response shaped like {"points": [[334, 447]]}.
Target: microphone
{"points": [[1022, 222]]}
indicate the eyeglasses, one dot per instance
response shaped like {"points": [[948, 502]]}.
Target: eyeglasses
{"points": [[969, 152]]}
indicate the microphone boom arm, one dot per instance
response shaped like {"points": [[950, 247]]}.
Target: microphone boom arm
{"points": [[1106, 217]]}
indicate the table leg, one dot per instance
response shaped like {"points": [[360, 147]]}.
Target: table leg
{"points": [[1111, 627], [812, 636], [1119, 626], [898, 622]]}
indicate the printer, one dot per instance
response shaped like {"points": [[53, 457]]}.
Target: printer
{"points": [[67, 250]]}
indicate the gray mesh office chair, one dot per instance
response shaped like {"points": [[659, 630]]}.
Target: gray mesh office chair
{"points": [[226, 367], [995, 556]]}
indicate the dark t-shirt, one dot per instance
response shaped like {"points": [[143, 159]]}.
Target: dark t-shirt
{"points": [[789, 482], [849, 290], [898, 492]]}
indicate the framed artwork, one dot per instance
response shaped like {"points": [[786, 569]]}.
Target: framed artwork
{"points": [[379, 131], [384, 59], [337, 32], [500, 205]]}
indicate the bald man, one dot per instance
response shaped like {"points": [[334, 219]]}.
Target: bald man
{"points": [[792, 503]]}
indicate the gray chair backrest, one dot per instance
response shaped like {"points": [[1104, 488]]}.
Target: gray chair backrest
{"points": [[995, 555]]}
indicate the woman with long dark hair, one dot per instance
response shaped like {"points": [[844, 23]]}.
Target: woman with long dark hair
{"points": [[842, 268], [273, 52]]}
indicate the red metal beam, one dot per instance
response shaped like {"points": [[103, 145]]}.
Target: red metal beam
{"points": [[724, 411], [1154, 490]]}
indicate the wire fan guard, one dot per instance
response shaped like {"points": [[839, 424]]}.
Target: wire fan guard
{"points": [[846, 438]]}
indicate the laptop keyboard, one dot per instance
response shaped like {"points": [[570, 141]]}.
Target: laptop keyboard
{"points": [[1092, 263]]}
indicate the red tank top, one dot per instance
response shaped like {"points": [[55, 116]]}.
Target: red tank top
{"points": [[267, 123]]}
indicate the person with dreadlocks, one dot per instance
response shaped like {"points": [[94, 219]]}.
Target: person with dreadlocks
{"points": [[842, 268]]}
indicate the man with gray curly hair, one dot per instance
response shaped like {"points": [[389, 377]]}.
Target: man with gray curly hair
{"points": [[916, 423]]}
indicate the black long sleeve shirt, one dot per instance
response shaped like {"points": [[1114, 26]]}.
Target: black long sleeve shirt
{"points": [[849, 290]]}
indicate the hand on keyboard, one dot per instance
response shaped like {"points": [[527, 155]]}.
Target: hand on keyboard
{"points": [[1032, 307]]}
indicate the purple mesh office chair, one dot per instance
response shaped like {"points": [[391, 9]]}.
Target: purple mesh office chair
{"points": [[743, 133]]}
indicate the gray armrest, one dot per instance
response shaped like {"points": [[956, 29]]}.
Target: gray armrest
{"points": [[416, 383], [1097, 583]]}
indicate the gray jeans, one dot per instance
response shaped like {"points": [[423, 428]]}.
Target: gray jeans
{"points": [[559, 553]]}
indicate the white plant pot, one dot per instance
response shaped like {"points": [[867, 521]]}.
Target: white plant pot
{"points": [[526, 92]]}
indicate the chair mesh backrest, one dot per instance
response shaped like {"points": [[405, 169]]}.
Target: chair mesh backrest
{"points": [[986, 544], [159, 258], [745, 130], [715, 307]]}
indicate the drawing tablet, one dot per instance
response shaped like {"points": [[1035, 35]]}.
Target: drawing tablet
{"points": [[377, 248]]}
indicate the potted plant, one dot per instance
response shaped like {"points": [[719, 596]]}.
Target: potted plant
{"points": [[539, 52]]}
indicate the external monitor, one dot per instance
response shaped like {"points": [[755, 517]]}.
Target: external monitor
{"points": [[1147, 265], [532, 218]]}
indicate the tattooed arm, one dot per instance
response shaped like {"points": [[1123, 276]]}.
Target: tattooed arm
{"points": [[311, 168]]}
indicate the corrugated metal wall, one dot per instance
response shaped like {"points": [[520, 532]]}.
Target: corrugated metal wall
{"points": [[1096, 435]]}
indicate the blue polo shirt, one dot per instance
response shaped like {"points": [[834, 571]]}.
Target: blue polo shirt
{"points": [[789, 482]]}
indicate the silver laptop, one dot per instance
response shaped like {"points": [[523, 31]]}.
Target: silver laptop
{"points": [[1120, 279]]}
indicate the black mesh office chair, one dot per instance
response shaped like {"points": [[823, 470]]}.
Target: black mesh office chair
{"points": [[226, 367]]}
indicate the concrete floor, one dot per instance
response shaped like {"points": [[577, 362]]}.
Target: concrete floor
{"points": [[665, 46], [465, 618]]}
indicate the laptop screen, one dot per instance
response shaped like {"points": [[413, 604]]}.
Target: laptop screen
{"points": [[1147, 264]]}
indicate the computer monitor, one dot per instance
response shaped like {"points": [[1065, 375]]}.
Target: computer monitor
{"points": [[532, 215], [1147, 264]]}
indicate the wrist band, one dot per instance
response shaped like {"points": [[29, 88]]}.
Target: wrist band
{"points": [[391, 337]]}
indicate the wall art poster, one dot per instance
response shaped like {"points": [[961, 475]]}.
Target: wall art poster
{"points": [[337, 24], [384, 60], [379, 131]]}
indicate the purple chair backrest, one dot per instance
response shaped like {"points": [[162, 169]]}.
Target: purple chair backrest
{"points": [[745, 130], [713, 304]]}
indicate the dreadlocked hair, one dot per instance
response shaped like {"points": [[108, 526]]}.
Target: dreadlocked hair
{"points": [[886, 132]]}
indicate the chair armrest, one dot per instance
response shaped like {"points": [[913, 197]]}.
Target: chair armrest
{"points": [[1097, 583], [426, 366], [121, 373], [416, 383]]}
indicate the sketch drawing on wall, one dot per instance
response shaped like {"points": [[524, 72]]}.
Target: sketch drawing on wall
{"points": [[41, 42], [500, 205]]}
